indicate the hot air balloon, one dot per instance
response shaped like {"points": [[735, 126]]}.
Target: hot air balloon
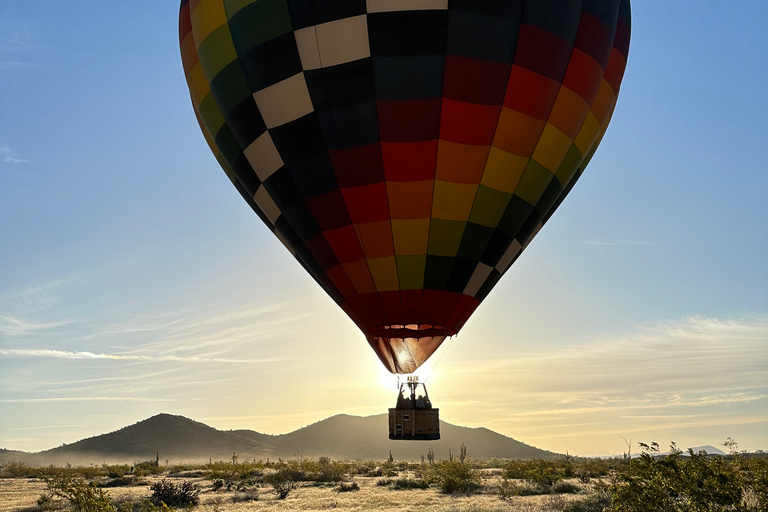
{"points": [[404, 151]]}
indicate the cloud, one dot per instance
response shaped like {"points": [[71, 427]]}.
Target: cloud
{"points": [[693, 372], [8, 156], [85, 399], [11, 326], [16, 45], [63, 354]]}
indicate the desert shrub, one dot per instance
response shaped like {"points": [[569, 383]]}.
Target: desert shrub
{"points": [[116, 470], [596, 502], [18, 470], [217, 484], [245, 496], [674, 483], [174, 495], [508, 488], [565, 487], [77, 493], [366, 468], [515, 469], [146, 468], [384, 482], [409, 483], [347, 487], [331, 470], [141, 505], [123, 481], [755, 474], [545, 473], [282, 483], [452, 476]]}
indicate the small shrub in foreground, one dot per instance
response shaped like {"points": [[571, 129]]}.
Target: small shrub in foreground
{"points": [[174, 495], [81, 496], [282, 483], [453, 476], [409, 483], [596, 502], [347, 487]]}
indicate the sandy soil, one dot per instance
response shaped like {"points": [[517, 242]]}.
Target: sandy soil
{"points": [[19, 495]]}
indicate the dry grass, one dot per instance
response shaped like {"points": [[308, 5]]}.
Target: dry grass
{"points": [[19, 495]]}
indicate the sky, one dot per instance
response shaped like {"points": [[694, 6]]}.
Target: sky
{"points": [[134, 280]]}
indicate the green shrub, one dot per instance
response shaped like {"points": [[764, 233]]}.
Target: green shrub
{"points": [[282, 483], [545, 473], [402, 484], [452, 476], [596, 502], [18, 470], [675, 483], [174, 495], [565, 488], [80, 495]]}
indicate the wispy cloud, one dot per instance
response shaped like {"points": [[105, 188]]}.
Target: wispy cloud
{"points": [[12, 326], [694, 372], [8, 156], [85, 399], [16, 44], [63, 354]]}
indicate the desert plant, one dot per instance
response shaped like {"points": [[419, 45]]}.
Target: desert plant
{"points": [[80, 495], [452, 476], [543, 472], [596, 502], [409, 483], [174, 495], [347, 487], [673, 483], [217, 484], [245, 496], [282, 483]]}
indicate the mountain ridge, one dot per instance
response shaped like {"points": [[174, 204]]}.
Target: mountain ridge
{"points": [[343, 436]]}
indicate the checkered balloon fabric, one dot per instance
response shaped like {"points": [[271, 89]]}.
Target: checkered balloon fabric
{"points": [[404, 151]]}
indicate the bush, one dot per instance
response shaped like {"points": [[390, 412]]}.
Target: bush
{"points": [[81, 496], [145, 468], [245, 496], [217, 484], [409, 483], [593, 503], [174, 495], [122, 481], [18, 470], [452, 476], [565, 488], [347, 487], [674, 483], [545, 473], [282, 483]]}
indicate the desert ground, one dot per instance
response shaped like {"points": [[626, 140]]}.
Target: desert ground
{"points": [[21, 494]]}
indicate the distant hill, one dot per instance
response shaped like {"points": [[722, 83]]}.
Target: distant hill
{"points": [[341, 437]]}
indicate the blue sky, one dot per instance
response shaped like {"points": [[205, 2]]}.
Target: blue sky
{"points": [[134, 280]]}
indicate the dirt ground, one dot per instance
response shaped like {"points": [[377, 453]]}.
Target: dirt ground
{"points": [[20, 495]]}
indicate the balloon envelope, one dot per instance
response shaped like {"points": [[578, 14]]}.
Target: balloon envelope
{"points": [[404, 151]]}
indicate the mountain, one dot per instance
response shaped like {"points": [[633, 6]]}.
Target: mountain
{"points": [[346, 437]]}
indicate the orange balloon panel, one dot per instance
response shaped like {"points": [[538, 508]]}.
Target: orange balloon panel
{"points": [[404, 152]]}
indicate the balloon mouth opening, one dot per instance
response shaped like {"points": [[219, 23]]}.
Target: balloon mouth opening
{"points": [[411, 331]]}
